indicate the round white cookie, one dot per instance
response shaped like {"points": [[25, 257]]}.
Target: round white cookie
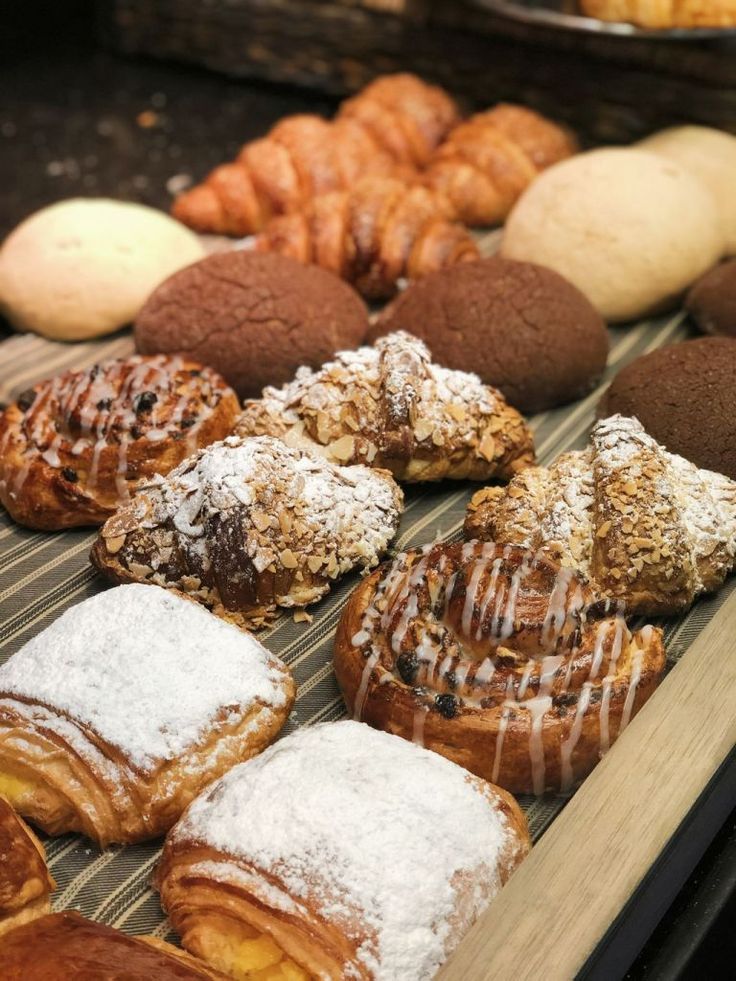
{"points": [[630, 229], [84, 267], [710, 154]]}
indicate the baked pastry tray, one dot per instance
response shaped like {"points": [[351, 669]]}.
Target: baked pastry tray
{"points": [[596, 851]]}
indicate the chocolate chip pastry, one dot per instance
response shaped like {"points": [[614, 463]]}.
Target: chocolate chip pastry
{"points": [[390, 406], [249, 525]]}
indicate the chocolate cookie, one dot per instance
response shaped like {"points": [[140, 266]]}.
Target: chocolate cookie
{"points": [[712, 300], [253, 317], [521, 327], [685, 397]]}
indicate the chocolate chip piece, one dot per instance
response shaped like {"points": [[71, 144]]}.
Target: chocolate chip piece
{"points": [[136, 432], [451, 679], [564, 698], [26, 399], [144, 402], [187, 423], [3, 406], [446, 705], [71, 475], [195, 372], [104, 404], [407, 664]]}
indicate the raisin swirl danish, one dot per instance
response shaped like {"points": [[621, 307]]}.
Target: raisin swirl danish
{"points": [[390, 406], [497, 658], [74, 447], [248, 525], [649, 527]]}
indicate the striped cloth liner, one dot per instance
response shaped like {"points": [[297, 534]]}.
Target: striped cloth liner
{"points": [[43, 574]]}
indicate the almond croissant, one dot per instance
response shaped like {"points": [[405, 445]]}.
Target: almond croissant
{"points": [[395, 122], [488, 161], [649, 527], [374, 234]]}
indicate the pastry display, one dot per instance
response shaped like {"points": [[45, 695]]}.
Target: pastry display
{"points": [[628, 228], [66, 945], [373, 234], [711, 301], [83, 267], [496, 657], [116, 716], [75, 447], [490, 159], [25, 882], [253, 317], [394, 123], [249, 525], [350, 863], [685, 397], [709, 154], [389, 406], [651, 529], [666, 14], [522, 328]]}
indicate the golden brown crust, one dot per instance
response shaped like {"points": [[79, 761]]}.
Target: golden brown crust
{"points": [[25, 882], [650, 528], [658, 14], [389, 406], [74, 447], [373, 234], [498, 659], [390, 126], [488, 161], [66, 945]]}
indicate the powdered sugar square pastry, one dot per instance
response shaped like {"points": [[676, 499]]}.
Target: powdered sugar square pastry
{"points": [[341, 852], [25, 882], [649, 527], [118, 714], [249, 525], [390, 406]]}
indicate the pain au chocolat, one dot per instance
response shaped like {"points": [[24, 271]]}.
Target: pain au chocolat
{"points": [[497, 658], [340, 853], [107, 726], [75, 447], [249, 525]]}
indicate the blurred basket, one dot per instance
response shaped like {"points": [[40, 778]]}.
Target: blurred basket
{"points": [[610, 89]]}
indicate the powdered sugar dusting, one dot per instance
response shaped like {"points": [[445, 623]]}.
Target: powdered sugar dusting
{"points": [[373, 831], [130, 663]]}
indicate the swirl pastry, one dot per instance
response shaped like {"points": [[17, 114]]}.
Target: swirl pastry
{"points": [[74, 447], [497, 658], [106, 727], [349, 864], [649, 527], [390, 406], [25, 883], [66, 945], [249, 525]]}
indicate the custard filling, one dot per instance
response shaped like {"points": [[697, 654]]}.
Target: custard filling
{"points": [[252, 956], [14, 788]]}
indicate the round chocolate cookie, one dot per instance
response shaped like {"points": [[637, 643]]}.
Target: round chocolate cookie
{"points": [[712, 300], [254, 317], [521, 327], [685, 397]]}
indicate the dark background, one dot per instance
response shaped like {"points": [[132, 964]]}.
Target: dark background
{"points": [[77, 120]]}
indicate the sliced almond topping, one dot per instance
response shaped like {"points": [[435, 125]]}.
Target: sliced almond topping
{"points": [[113, 545], [261, 520], [315, 563], [604, 529], [515, 490], [457, 411], [288, 559], [301, 616], [343, 448], [285, 522], [629, 488], [487, 447], [423, 428]]}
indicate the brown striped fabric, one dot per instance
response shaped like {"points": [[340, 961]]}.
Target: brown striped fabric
{"points": [[42, 574]]}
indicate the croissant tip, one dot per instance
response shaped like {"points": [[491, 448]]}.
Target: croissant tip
{"points": [[198, 208]]}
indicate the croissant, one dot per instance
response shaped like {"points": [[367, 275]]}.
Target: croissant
{"points": [[389, 406], [74, 447], [649, 527], [657, 14], [497, 658], [250, 525], [342, 853], [489, 160], [379, 231], [116, 716], [306, 155], [66, 945], [25, 882]]}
